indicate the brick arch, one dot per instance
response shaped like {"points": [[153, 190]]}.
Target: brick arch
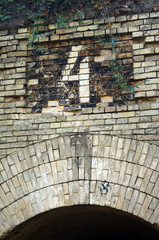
{"points": [[79, 169]]}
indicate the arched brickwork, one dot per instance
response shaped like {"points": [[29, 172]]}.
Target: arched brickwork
{"points": [[68, 134], [79, 169]]}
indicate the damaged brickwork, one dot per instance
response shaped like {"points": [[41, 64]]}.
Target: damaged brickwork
{"points": [[68, 135], [77, 75], [70, 86]]}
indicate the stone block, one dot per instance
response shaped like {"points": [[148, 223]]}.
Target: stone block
{"points": [[85, 28], [132, 17], [145, 75], [21, 36], [154, 15], [55, 37], [143, 15], [133, 29], [89, 34], [137, 34], [144, 51]]}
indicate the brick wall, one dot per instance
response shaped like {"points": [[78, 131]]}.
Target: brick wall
{"points": [[62, 108], [69, 87], [79, 169]]}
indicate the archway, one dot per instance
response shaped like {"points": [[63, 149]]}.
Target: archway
{"points": [[83, 223], [80, 169]]}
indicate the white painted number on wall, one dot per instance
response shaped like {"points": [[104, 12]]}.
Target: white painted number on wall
{"points": [[82, 76]]}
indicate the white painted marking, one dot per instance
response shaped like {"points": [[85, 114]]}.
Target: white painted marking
{"points": [[83, 76]]}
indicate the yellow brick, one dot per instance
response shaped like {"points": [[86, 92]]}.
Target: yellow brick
{"points": [[74, 24], [22, 30], [149, 39], [77, 34], [139, 70], [154, 14], [144, 51], [138, 58], [133, 23], [99, 32], [136, 65], [148, 64], [132, 17], [8, 37], [90, 27], [137, 34], [143, 15], [138, 46], [21, 36], [45, 39], [55, 37], [151, 32], [65, 31], [121, 19], [123, 114], [134, 29], [65, 37], [124, 55], [17, 54], [145, 75], [89, 34]]}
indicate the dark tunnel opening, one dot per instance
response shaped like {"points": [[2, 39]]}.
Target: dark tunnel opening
{"points": [[84, 222]]}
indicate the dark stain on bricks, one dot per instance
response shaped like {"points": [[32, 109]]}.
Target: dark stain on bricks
{"points": [[50, 86]]}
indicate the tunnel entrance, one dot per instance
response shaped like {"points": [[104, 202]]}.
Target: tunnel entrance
{"points": [[84, 222]]}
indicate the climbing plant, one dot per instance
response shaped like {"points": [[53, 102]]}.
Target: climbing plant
{"points": [[5, 12]]}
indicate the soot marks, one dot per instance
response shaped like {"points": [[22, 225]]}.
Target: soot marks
{"points": [[77, 161], [55, 84]]}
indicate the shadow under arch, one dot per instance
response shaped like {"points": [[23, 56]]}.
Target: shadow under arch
{"points": [[84, 222]]}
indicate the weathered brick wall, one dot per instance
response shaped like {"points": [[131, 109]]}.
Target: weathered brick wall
{"points": [[79, 169], [70, 88], [68, 92]]}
